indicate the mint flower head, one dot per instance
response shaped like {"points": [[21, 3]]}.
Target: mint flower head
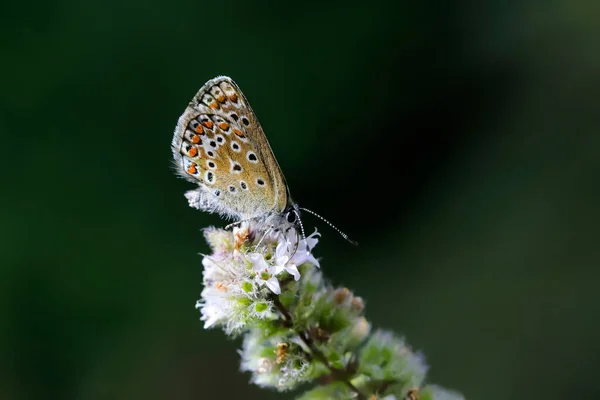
{"points": [[239, 279], [296, 327]]}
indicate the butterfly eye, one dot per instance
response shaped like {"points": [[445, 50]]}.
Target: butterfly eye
{"points": [[291, 217]]}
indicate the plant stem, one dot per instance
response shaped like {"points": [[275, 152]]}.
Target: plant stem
{"points": [[338, 374]]}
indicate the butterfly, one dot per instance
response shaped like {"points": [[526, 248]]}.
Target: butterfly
{"points": [[219, 144]]}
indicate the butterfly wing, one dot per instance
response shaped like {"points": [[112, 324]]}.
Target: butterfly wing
{"points": [[219, 144]]}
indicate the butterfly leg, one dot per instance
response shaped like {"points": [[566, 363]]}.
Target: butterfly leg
{"points": [[270, 229], [236, 223]]}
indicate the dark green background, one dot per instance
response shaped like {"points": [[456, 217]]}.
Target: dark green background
{"points": [[458, 142]]}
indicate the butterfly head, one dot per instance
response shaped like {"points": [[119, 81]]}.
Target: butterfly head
{"points": [[292, 217]]}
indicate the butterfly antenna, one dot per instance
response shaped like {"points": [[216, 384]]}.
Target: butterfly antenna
{"points": [[335, 228], [300, 222]]}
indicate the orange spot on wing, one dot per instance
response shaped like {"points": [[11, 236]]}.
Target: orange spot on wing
{"points": [[209, 124], [195, 139], [233, 97], [221, 98], [199, 129], [192, 169], [214, 105], [193, 152], [224, 125], [238, 132]]}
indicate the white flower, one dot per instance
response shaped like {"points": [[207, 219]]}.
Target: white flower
{"points": [[229, 298], [265, 274], [259, 357], [232, 294], [215, 305], [264, 369], [213, 309], [282, 258], [292, 372], [220, 241], [303, 254]]}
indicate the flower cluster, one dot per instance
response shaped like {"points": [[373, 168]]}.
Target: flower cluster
{"points": [[297, 328], [240, 279]]}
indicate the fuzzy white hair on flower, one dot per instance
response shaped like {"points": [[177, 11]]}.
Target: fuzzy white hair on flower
{"points": [[212, 310]]}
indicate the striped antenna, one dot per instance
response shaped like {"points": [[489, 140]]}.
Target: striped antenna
{"points": [[330, 224], [300, 222]]}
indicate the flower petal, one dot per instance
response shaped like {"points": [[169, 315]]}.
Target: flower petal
{"points": [[301, 255], [313, 260], [312, 240], [258, 261], [293, 270], [273, 284], [281, 250]]}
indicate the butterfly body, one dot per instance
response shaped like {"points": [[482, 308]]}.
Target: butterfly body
{"points": [[220, 145]]}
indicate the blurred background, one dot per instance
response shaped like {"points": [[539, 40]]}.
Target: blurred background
{"points": [[458, 142]]}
